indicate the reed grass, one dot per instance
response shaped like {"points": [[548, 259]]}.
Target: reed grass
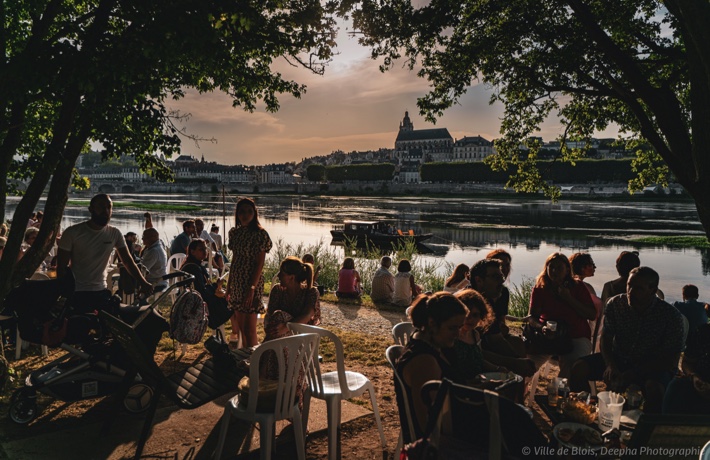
{"points": [[367, 261], [520, 297]]}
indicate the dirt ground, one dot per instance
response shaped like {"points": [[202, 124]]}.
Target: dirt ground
{"points": [[360, 439]]}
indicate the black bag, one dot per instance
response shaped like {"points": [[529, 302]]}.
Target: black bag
{"points": [[219, 349], [217, 306], [539, 343]]}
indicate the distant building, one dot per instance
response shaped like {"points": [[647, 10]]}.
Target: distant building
{"points": [[472, 149], [428, 142]]}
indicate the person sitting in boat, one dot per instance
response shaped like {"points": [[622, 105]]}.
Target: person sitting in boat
{"points": [[405, 289], [349, 284]]}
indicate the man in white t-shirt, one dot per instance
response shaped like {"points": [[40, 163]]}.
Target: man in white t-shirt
{"points": [[87, 246]]}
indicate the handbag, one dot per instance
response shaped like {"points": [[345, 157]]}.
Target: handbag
{"points": [[551, 343], [217, 306], [225, 359]]}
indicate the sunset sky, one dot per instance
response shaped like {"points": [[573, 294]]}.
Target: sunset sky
{"points": [[352, 107]]}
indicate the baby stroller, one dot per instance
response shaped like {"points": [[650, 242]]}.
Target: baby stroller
{"points": [[94, 365]]}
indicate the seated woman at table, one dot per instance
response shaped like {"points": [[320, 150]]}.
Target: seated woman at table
{"points": [[466, 356], [458, 279], [558, 297], [690, 393], [438, 319]]}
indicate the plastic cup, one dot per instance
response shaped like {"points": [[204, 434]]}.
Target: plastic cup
{"points": [[551, 325], [610, 406]]}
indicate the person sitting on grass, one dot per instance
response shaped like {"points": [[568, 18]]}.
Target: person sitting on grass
{"points": [[383, 282], [405, 289], [349, 284]]}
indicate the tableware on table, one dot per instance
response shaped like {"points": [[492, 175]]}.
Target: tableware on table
{"points": [[551, 325], [610, 407], [630, 418], [499, 379], [705, 453], [572, 434]]}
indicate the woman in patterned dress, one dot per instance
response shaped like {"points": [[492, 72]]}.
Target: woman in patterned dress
{"points": [[249, 243]]}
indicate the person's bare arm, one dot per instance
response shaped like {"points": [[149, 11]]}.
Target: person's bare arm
{"points": [[585, 308], [130, 265], [256, 276]]}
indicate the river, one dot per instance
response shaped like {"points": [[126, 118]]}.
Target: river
{"points": [[464, 229]]}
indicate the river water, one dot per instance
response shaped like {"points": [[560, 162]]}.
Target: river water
{"points": [[464, 229]]}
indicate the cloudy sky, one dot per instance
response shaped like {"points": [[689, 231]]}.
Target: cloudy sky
{"points": [[352, 107]]}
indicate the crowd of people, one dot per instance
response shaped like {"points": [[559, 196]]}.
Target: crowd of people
{"points": [[626, 336], [462, 331]]}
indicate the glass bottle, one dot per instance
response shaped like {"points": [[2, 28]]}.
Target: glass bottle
{"points": [[552, 393]]}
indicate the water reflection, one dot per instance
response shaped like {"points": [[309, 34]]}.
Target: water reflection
{"points": [[465, 229]]}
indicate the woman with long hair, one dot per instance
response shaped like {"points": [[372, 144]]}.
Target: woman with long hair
{"points": [[249, 243], [349, 283], [458, 279], [293, 299], [558, 297], [583, 267], [437, 318], [466, 355]]}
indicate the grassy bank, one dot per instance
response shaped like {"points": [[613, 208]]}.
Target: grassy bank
{"points": [[698, 242], [143, 206]]}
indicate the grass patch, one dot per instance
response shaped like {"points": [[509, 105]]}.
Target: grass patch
{"points": [[700, 242], [365, 349], [146, 206]]}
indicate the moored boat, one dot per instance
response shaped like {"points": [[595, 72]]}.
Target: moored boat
{"points": [[375, 232]]}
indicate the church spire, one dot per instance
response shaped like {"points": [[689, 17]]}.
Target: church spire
{"points": [[406, 124]]}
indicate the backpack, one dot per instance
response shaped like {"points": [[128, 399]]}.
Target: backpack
{"points": [[188, 318]]}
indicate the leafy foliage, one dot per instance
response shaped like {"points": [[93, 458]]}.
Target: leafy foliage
{"points": [[77, 72], [640, 65]]}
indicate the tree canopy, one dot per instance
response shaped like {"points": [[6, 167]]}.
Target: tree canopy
{"points": [[642, 65], [76, 73]]}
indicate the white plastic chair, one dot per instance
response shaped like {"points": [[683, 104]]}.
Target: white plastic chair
{"points": [[402, 332], [393, 353], [211, 270], [335, 386], [301, 349], [174, 263]]}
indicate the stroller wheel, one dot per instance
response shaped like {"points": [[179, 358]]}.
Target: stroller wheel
{"points": [[23, 408], [138, 398]]}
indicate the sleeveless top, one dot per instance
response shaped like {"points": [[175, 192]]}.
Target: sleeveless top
{"points": [[402, 289], [415, 348], [346, 280]]}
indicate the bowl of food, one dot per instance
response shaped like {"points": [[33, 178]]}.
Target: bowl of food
{"points": [[580, 412]]}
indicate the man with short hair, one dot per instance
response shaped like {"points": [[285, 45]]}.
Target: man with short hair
{"points": [[154, 258], [640, 344], [383, 282], [693, 310], [501, 349], [180, 243], [88, 246]]}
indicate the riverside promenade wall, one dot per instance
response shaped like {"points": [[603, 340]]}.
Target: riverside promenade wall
{"points": [[356, 187]]}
